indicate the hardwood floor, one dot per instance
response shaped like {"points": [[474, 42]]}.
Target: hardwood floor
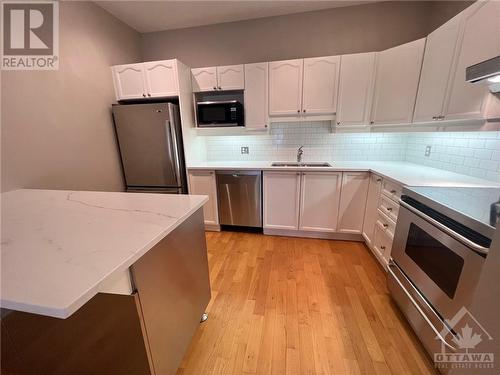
{"points": [[299, 306]]}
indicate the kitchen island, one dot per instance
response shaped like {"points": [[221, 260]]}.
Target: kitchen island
{"points": [[127, 272]]}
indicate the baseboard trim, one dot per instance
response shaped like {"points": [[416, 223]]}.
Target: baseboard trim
{"points": [[212, 227], [321, 235]]}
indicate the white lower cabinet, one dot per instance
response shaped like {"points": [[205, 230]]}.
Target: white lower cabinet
{"points": [[320, 195], [353, 202], [203, 183], [374, 190], [281, 200]]}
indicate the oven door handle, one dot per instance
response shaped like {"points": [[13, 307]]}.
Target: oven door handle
{"points": [[474, 246], [417, 306]]}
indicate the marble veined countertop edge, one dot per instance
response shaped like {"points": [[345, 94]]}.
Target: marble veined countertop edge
{"points": [[66, 266]]}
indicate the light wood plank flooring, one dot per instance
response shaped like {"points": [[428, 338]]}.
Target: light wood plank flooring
{"points": [[299, 306]]}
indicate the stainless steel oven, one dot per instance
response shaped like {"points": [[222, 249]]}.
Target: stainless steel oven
{"points": [[437, 257]]}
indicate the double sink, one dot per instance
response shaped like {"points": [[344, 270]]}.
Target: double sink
{"points": [[300, 164]]}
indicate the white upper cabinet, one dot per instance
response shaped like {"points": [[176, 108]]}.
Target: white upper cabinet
{"points": [[230, 77], [319, 95], [161, 78], [128, 81], [146, 80], [281, 192], [480, 41], [320, 195], [396, 83], [357, 77], [352, 202], [285, 87], [256, 96], [204, 79], [439, 55]]}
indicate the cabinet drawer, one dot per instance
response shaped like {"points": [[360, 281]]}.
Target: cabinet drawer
{"points": [[389, 207], [392, 190], [386, 224], [382, 245]]}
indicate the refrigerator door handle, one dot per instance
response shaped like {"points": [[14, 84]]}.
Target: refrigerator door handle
{"points": [[173, 143]]}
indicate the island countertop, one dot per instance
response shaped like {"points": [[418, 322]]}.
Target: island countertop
{"points": [[60, 247]]}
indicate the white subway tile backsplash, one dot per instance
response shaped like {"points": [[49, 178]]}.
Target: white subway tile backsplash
{"points": [[471, 153]]}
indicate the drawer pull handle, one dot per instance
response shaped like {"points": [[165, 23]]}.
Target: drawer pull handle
{"points": [[385, 225], [382, 247], [379, 180], [389, 209], [393, 191]]}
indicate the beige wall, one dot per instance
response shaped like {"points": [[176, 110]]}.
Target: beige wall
{"points": [[371, 27], [56, 126]]}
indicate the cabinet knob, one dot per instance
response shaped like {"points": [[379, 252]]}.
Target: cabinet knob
{"points": [[434, 118], [298, 110], [379, 180], [265, 126], [372, 122], [220, 88], [382, 247], [338, 122], [393, 191], [298, 174], [215, 88], [385, 225], [389, 209], [149, 94], [144, 95], [304, 110]]}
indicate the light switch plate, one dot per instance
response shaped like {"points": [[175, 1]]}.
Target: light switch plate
{"points": [[428, 150], [245, 150]]}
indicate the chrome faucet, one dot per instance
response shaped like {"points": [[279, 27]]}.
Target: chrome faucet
{"points": [[299, 154]]}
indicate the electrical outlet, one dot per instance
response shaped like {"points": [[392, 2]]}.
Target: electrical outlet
{"points": [[245, 150], [428, 150]]}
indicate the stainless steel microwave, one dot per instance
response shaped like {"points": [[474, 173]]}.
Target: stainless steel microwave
{"points": [[219, 113]]}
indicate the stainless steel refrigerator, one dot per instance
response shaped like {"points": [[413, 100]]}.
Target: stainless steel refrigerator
{"points": [[150, 142]]}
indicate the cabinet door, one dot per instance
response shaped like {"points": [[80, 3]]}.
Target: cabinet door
{"points": [[230, 77], [256, 112], [281, 200], [357, 78], [203, 183], [440, 50], [480, 41], [353, 201], [319, 95], [161, 78], [204, 79], [396, 83], [319, 206], [285, 87], [128, 81], [374, 190]]}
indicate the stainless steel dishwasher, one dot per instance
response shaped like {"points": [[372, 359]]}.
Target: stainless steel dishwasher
{"points": [[240, 198]]}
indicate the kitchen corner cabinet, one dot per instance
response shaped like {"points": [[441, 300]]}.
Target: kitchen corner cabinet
{"points": [[480, 40], [374, 191], [230, 77], [256, 96], [153, 79], [281, 192], [352, 202], [320, 82], [285, 87], [396, 83], [203, 183], [357, 78], [320, 195]]}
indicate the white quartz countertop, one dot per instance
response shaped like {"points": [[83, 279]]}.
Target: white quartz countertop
{"points": [[402, 172], [59, 247]]}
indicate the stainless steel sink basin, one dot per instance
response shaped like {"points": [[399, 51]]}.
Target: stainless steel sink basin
{"points": [[303, 164]]}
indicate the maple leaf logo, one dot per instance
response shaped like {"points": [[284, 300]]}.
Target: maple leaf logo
{"points": [[466, 340]]}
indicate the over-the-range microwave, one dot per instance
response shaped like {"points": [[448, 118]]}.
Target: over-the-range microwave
{"points": [[219, 113]]}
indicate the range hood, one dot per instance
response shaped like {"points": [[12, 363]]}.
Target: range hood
{"points": [[487, 72]]}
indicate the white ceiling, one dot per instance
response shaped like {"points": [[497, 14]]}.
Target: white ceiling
{"points": [[148, 16]]}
